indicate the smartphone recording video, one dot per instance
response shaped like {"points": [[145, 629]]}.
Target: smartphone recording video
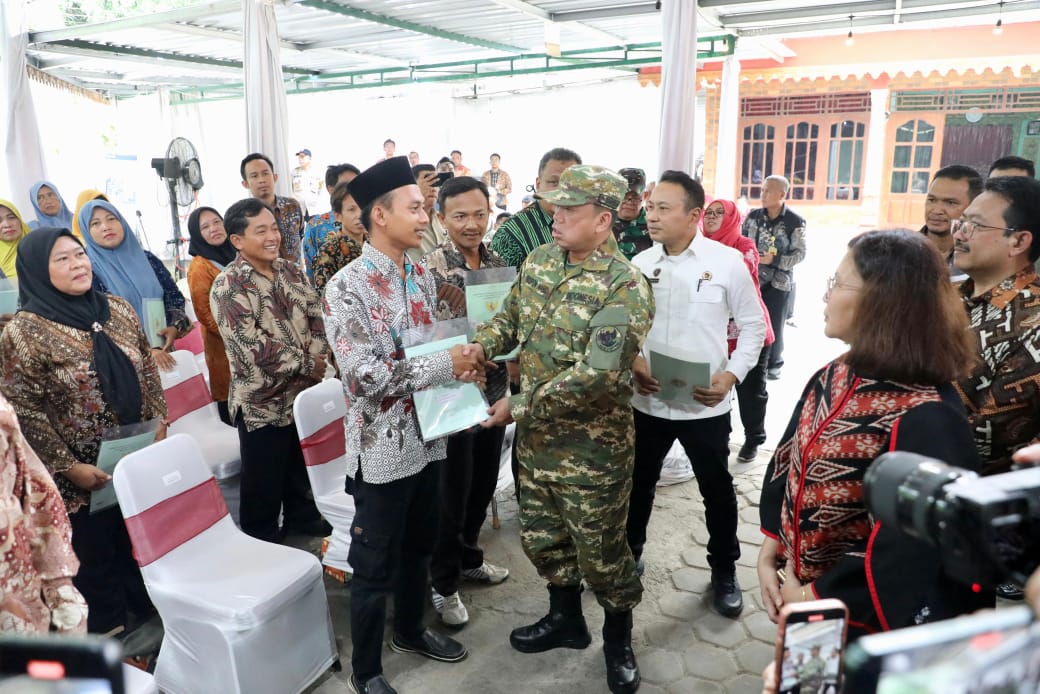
{"points": [[810, 643], [60, 665]]}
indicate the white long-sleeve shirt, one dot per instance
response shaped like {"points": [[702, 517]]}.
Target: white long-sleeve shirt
{"points": [[696, 292]]}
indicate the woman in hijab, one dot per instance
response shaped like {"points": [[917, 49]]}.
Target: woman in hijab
{"points": [[211, 251], [51, 210], [82, 199], [12, 230], [123, 268], [75, 363], [721, 222]]}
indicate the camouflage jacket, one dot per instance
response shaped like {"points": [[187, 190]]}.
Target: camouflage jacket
{"points": [[632, 237], [579, 328]]}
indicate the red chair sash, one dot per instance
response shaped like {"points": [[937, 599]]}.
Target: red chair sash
{"points": [[186, 396], [327, 443], [170, 523], [192, 341]]}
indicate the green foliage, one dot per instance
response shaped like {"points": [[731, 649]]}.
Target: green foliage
{"points": [[89, 11]]}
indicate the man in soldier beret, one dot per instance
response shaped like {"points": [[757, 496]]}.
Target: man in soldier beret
{"points": [[580, 313], [630, 224]]}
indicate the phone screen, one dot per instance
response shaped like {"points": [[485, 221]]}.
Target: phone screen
{"points": [[810, 654], [443, 177]]}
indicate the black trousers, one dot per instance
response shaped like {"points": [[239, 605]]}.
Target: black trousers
{"points": [[108, 577], [706, 442], [467, 482], [394, 531], [274, 478], [776, 301], [752, 399]]}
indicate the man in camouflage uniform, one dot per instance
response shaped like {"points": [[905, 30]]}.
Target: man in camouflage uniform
{"points": [[630, 224], [579, 313]]}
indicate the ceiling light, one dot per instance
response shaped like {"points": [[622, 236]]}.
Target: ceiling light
{"points": [[848, 39], [999, 28]]}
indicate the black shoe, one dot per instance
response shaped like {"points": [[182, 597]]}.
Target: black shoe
{"points": [[563, 627], [315, 528], [622, 671], [748, 452], [1010, 591], [375, 685], [432, 645], [728, 600]]}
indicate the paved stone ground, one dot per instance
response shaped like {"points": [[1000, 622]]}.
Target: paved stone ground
{"points": [[682, 645]]}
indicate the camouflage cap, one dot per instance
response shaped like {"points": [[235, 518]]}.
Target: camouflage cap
{"points": [[582, 184], [636, 180]]}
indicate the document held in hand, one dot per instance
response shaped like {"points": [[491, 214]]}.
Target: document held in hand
{"points": [[486, 290], [116, 444], [678, 372], [448, 409]]}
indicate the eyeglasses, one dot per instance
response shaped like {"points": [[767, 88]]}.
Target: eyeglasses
{"points": [[833, 283], [967, 228], [714, 213]]}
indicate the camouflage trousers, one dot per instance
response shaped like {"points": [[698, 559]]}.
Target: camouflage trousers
{"points": [[572, 532]]}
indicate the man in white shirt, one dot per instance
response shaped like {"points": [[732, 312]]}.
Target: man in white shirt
{"points": [[698, 284]]}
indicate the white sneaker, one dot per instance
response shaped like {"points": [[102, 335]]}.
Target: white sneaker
{"points": [[486, 573], [450, 608], [676, 470]]}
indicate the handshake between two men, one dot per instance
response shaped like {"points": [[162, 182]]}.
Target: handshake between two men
{"points": [[469, 364]]}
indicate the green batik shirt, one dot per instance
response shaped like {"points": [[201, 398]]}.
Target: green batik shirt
{"points": [[632, 237], [579, 328]]}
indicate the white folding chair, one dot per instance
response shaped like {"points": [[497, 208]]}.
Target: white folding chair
{"points": [[191, 410], [240, 614], [194, 344], [319, 413]]}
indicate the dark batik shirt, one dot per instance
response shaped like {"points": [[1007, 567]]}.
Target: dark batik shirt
{"points": [[783, 237], [1002, 393]]}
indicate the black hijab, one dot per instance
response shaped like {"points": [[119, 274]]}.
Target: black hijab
{"points": [[120, 387], [222, 254]]}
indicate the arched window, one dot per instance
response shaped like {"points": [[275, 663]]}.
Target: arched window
{"points": [[800, 159], [912, 157], [757, 159], [845, 163]]}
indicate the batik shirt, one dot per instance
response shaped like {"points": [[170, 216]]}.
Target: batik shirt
{"points": [[289, 216], [335, 254], [783, 237], [319, 228], [1002, 394], [273, 331], [368, 307], [448, 267]]}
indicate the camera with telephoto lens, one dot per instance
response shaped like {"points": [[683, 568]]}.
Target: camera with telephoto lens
{"points": [[986, 528]]}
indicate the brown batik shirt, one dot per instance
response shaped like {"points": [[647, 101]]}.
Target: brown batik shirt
{"points": [[1002, 394]]}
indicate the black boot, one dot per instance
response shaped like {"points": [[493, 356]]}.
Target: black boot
{"points": [[563, 627], [622, 671]]}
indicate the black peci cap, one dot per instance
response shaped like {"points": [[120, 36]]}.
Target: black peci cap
{"points": [[387, 175]]}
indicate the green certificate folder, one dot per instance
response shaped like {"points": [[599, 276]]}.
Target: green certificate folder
{"points": [[486, 291], [119, 443], [448, 409], [678, 373], [154, 320]]}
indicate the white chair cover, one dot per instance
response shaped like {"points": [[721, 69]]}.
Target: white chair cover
{"points": [[319, 413], [240, 614], [137, 681], [193, 412]]}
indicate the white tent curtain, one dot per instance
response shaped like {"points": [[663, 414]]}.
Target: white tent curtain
{"points": [[678, 84], [23, 146], [729, 113], [267, 115]]}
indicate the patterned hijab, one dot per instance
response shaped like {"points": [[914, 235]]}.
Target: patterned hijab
{"points": [[9, 249], [62, 220], [222, 254], [125, 269], [120, 387]]}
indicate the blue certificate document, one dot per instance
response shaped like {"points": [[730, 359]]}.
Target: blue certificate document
{"points": [[119, 443], [8, 295], [154, 320], [448, 409], [677, 372]]}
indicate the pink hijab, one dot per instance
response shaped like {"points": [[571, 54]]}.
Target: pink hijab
{"points": [[730, 229]]}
